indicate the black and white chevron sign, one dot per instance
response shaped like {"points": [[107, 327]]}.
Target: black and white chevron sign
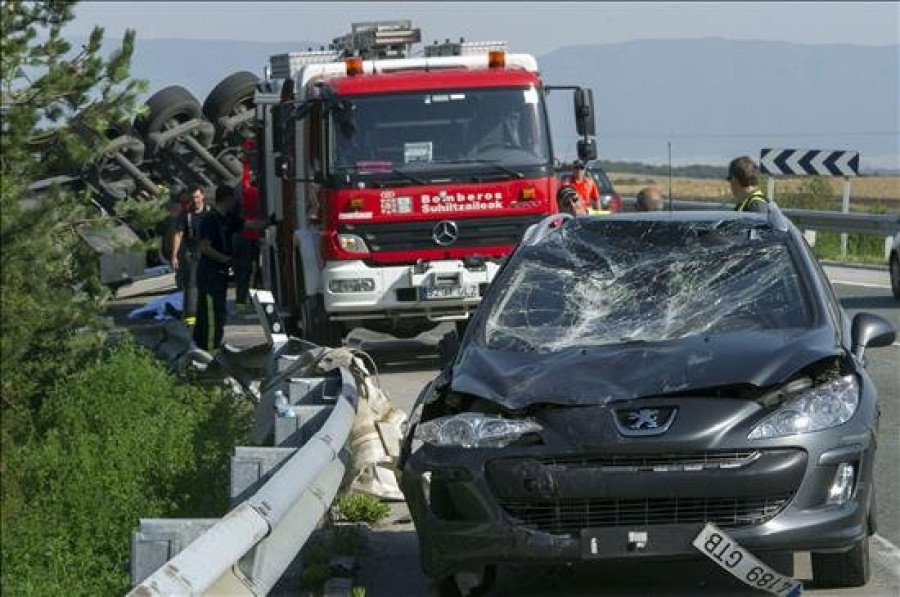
{"points": [[802, 162]]}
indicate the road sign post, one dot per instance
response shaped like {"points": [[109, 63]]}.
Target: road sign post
{"points": [[811, 162], [845, 208]]}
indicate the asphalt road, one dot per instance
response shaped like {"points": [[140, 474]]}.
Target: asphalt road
{"points": [[392, 568]]}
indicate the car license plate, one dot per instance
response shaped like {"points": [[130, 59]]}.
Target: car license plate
{"points": [[725, 551], [438, 293]]}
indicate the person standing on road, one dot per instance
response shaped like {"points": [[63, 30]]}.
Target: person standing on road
{"points": [[185, 251], [166, 229], [585, 186], [649, 199], [569, 201], [215, 236], [744, 178], [246, 266]]}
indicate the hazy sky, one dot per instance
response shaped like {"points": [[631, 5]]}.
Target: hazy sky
{"points": [[537, 27]]}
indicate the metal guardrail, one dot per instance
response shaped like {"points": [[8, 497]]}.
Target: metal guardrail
{"points": [[247, 551], [806, 219]]}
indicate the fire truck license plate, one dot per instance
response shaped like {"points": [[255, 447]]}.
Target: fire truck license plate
{"points": [[439, 293], [743, 565]]}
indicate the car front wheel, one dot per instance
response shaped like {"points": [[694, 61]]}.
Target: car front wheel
{"points": [[848, 569]]}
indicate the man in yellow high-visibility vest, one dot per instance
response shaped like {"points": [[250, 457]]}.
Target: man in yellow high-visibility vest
{"points": [[744, 178]]}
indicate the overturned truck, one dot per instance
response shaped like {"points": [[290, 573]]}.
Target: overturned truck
{"points": [[177, 143]]}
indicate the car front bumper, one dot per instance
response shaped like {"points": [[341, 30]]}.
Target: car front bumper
{"points": [[474, 507]]}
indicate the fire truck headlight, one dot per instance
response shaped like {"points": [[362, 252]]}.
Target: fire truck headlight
{"points": [[351, 285], [351, 243]]}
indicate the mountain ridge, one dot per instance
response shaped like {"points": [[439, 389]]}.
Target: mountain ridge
{"points": [[712, 97]]}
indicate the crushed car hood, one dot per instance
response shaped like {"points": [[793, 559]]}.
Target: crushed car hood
{"points": [[603, 374]]}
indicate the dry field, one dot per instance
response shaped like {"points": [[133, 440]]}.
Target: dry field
{"points": [[884, 190]]}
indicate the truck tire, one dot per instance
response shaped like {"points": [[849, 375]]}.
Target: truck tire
{"points": [[315, 326], [847, 569], [232, 95], [169, 106]]}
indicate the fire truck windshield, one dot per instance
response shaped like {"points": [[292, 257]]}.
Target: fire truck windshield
{"points": [[425, 132]]}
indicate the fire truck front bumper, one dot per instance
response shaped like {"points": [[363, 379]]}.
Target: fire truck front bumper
{"points": [[436, 290]]}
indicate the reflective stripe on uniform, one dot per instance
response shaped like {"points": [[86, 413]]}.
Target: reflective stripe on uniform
{"points": [[754, 196]]}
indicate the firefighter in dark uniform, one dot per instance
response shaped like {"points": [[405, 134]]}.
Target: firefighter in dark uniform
{"points": [[216, 236], [744, 178], [186, 252]]}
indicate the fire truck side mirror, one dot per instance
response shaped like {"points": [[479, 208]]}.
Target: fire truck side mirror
{"points": [[584, 111], [587, 149]]}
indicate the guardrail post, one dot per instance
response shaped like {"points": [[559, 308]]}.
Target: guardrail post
{"points": [[810, 236], [888, 245], [159, 539], [845, 208]]}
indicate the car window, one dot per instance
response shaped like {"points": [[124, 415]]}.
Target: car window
{"points": [[604, 185], [626, 281]]}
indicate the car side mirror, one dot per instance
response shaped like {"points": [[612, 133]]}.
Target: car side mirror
{"points": [[870, 331]]}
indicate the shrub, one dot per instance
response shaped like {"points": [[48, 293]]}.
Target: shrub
{"points": [[118, 440], [356, 507]]}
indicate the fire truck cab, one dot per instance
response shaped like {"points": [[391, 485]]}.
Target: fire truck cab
{"points": [[395, 184]]}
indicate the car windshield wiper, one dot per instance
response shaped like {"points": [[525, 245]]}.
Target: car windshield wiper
{"points": [[494, 165]]}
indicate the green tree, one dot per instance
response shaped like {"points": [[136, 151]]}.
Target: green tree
{"points": [[94, 434], [56, 104], [123, 440]]}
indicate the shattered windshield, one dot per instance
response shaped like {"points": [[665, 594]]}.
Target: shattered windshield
{"points": [[614, 282], [428, 131]]}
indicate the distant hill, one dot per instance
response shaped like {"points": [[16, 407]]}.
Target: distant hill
{"points": [[198, 65], [712, 98], [699, 93]]}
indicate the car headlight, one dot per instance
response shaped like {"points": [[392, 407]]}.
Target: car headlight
{"points": [[474, 430], [822, 407]]}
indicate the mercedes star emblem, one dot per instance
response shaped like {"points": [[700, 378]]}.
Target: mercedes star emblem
{"points": [[445, 233]]}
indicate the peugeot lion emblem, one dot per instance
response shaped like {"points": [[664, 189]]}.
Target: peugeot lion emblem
{"points": [[645, 418], [645, 421], [445, 233]]}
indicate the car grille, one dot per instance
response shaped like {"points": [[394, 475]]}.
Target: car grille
{"points": [[569, 515], [415, 236], [691, 461]]}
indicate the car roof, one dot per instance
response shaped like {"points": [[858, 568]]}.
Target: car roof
{"points": [[720, 215]]}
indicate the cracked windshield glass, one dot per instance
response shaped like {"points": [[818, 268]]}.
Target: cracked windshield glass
{"points": [[609, 283]]}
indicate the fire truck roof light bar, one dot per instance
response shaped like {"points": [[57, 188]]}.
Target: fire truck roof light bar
{"points": [[285, 66], [467, 48], [378, 39]]}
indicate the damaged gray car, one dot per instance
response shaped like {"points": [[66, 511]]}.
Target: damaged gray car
{"points": [[628, 380]]}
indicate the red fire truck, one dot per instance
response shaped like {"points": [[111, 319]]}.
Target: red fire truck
{"points": [[397, 184]]}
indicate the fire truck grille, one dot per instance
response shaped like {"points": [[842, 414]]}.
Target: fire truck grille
{"points": [[418, 236]]}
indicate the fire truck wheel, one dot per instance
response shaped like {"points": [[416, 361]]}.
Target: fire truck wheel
{"points": [[316, 327], [169, 106], [232, 95]]}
